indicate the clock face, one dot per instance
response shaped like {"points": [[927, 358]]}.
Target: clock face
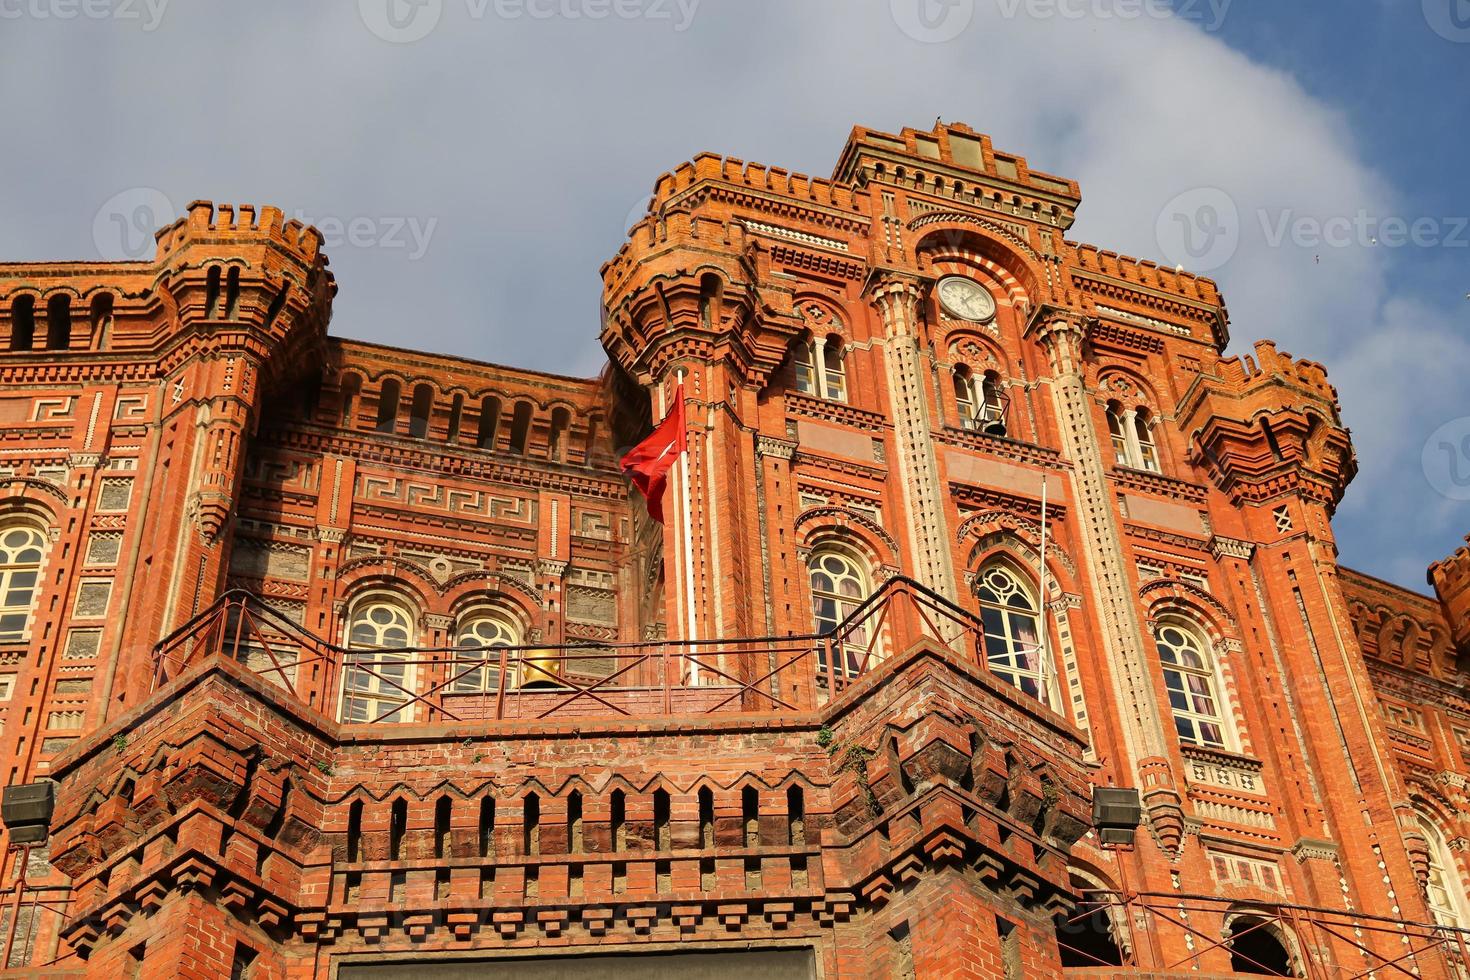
{"points": [[966, 298]]}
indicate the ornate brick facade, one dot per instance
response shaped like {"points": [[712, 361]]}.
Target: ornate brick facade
{"points": [[350, 660]]}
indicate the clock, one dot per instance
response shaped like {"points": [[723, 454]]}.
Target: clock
{"points": [[966, 299]]}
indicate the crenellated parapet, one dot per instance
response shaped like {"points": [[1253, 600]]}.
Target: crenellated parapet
{"points": [[224, 282], [1451, 580], [1268, 425], [690, 284], [247, 281]]}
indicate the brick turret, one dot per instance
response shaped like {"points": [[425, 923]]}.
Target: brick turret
{"points": [[1451, 580]]}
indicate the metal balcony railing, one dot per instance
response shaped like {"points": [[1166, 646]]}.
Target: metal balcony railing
{"points": [[753, 675], [1161, 934]]}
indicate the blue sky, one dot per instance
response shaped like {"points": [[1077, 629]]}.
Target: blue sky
{"points": [[485, 169]]}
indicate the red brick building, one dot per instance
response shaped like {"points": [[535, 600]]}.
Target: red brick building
{"points": [[354, 661]]}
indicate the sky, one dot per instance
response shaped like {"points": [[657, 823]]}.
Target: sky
{"points": [[474, 162]]}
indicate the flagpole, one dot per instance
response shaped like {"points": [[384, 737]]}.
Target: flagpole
{"points": [[1041, 664], [692, 626]]}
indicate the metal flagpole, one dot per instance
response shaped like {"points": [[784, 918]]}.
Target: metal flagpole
{"points": [[692, 632], [1041, 620]]}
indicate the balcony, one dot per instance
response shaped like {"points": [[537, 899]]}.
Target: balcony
{"points": [[436, 685]]}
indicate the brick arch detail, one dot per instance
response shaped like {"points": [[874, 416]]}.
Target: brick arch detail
{"points": [[992, 531], [838, 525]]}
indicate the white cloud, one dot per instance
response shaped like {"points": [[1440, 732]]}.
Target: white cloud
{"points": [[529, 139]]}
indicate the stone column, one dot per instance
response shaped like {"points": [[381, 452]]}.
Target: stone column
{"points": [[1113, 599], [897, 298], [1130, 436]]}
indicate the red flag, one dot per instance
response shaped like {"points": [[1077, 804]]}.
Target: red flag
{"points": [[647, 464]]}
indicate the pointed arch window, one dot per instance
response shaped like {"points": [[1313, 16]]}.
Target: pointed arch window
{"points": [[1443, 889], [376, 681], [1012, 622], [480, 635], [819, 368], [22, 551], [1189, 677], [840, 583]]}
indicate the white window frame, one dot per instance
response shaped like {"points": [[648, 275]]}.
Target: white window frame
{"points": [[821, 369], [830, 606], [1130, 431], [12, 568], [377, 693], [1450, 907], [1005, 649], [473, 641], [1176, 688]]}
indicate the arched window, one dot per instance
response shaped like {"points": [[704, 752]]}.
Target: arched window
{"points": [[58, 322], [839, 585], [1117, 434], [23, 323], [1189, 678], [1131, 432], [1258, 947], [211, 292], [520, 427], [819, 368], [964, 396], [1013, 648], [351, 387], [376, 681], [489, 422], [388, 398], [420, 410], [479, 635], [1148, 456], [981, 401], [22, 549], [101, 317], [1443, 889], [1090, 935], [561, 421], [456, 417], [232, 293]]}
